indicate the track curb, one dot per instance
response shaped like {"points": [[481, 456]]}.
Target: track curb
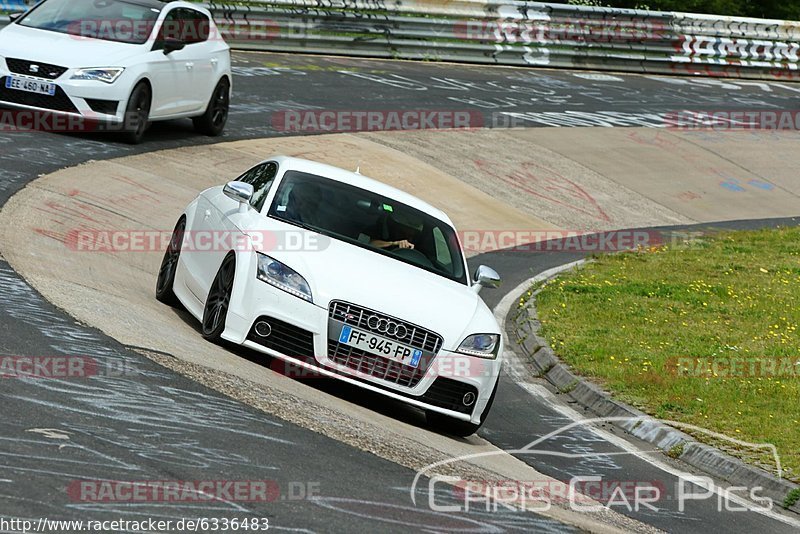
{"points": [[523, 326]]}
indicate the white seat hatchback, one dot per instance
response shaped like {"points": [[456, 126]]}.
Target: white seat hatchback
{"points": [[117, 63]]}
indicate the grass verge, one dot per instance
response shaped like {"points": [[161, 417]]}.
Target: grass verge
{"points": [[704, 334]]}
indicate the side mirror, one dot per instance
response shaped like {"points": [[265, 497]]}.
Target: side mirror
{"points": [[173, 45], [486, 277], [12, 17], [240, 192]]}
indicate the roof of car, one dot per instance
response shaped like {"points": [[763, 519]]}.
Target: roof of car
{"points": [[157, 4], [359, 180], [160, 4]]}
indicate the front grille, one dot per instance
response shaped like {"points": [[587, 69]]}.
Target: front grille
{"points": [[41, 70], [373, 365], [358, 316], [449, 394], [285, 338], [444, 392], [109, 107], [298, 343], [58, 102]]}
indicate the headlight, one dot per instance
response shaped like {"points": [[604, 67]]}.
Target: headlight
{"points": [[279, 275], [105, 74], [481, 345]]}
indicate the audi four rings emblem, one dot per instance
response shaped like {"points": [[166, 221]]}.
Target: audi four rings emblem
{"points": [[385, 326]]}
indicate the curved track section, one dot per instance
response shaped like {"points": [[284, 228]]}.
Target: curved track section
{"points": [[154, 424]]}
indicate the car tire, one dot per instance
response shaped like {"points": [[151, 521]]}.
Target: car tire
{"points": [[219, 296], [137, 114], [212, 122], [456, 427], [169, 264]]}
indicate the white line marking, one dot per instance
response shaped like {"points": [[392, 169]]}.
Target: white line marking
{"points": [[53, 433]]}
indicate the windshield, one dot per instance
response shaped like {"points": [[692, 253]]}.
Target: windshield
{"points": [[369, 220], [110, 20]]}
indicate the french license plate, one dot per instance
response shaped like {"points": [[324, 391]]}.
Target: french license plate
{"points": [[380, 345], [31, 86]]}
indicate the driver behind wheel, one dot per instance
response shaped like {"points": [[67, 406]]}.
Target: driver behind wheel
{"points": [[304, 203], [398, 231]]}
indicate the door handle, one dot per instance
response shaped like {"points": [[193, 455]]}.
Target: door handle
{"points": [[189, 65], [214, 61], [207, 214]]}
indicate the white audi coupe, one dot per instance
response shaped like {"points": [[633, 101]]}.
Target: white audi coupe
{"points": [[340, 276]]}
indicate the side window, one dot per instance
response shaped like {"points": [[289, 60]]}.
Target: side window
{"points": [[261, 178], [170, 29], [185, 25], [442, 250], [195, 26]]}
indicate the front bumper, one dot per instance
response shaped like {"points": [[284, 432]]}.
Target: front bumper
{"points": [[304, 337], [82, 100]]}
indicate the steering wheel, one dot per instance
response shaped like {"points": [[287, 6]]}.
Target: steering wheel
{"points": [[413, 255]]}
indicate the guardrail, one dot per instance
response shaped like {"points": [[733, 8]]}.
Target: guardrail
{"points": [[508, 32], [519, 33], [11, 6]]}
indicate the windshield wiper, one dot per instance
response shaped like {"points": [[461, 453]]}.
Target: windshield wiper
{"points": [[303, 225]]}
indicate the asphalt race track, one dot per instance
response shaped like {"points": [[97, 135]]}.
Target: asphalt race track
{"points": [[160, 425]]}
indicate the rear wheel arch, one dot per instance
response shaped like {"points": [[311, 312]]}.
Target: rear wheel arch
{"points": [[215, 116], [226, 78]]}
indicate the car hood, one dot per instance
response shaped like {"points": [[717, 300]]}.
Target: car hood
{"points": [[63, 49], [342, 271]]}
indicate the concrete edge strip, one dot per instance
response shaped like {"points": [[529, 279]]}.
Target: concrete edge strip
{"points": [[540, 361]]}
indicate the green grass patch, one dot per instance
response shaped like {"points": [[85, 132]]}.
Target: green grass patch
{"points": [[676, 451], [653, 326], [792, 498]]}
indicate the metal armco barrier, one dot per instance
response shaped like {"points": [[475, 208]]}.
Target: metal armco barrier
{"points": [[517, 33], [12, 6]]}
